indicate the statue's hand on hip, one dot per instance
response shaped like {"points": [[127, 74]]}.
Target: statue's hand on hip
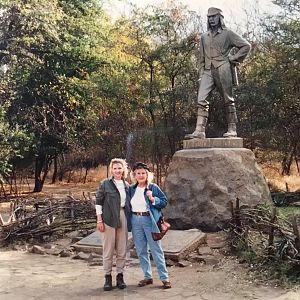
{"points": [[232, 61]]}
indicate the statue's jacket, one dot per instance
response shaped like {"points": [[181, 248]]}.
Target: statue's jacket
{"points": [[215, 48]]}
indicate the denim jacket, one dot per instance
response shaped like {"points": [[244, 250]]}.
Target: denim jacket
{"points": [[160, 202]]}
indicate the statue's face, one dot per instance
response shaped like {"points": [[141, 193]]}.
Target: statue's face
{"points": [[214, 20]]}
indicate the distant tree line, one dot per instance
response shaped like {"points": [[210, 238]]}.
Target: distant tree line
{"points": [[78, 88]]}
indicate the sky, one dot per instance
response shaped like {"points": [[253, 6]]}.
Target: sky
{"points": [[235, 11]]}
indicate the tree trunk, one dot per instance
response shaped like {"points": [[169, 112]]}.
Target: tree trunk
{"points": [[55, 171], [85, 175], [287, 161], [42, 164], [61, 167]]}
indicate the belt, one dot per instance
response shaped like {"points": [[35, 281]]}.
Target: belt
{"points": [[142, 213]]}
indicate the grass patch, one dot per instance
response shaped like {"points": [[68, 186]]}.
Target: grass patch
{"points": [[288, 211]]}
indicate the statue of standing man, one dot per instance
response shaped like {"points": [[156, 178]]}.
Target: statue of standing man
{"points": [[217, 70]]}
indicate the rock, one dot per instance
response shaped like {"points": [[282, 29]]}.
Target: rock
{"points": [[94, 255], [201, 183], [195, 258], [83, 232], [48, 246], [73, 234], [46, 238], [65, 253], [210, 260], [183, 263], [53, 251], [204, 250], [170, 263], [82, 255], [37, 250]]}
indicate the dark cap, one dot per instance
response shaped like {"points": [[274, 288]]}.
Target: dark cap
{"points": [[212, 11], [140, 165]]}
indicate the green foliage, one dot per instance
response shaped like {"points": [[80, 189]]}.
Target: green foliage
{"points": [[287, 212], [163, 43], [269, 98], [244, 251], [13, 141], [52, 49], [78, 82]]}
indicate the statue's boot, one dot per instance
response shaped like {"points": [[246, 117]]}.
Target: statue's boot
{"points": [[231, 131], [231, 120], [199, 132]]}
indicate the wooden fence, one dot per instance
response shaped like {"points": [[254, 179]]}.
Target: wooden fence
{"points": [[36, 219], [263, 231]]}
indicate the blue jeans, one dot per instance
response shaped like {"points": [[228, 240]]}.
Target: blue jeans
{"points": [[141, 232]]}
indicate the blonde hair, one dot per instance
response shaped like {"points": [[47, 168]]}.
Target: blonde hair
{"points": [[150, 176], [119, 161]]}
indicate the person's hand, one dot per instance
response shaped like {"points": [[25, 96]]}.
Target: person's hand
{"points": [[232, 61], [101, 227], [149, 195]]}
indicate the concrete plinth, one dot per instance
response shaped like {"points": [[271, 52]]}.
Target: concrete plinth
{"points": [[213, 143]]}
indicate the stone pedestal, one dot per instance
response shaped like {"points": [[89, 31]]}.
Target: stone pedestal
{"points": [[213, 143], [202, 182]]}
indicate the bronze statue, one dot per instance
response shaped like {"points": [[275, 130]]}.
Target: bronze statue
{"points": [[217, 69]]}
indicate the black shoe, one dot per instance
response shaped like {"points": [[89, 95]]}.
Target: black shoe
{"points": [[120, 281], [108, 283]]}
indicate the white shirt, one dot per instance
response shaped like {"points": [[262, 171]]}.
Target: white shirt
{"points": [[138, 202], [121, 188]]}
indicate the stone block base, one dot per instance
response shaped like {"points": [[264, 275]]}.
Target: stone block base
{"points": [[213, 143]]}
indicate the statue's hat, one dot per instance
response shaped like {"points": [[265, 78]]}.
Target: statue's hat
{"points": [[212, 11]]}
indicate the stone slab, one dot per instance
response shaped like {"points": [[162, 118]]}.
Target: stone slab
{"points": [[179, 243], [176, 244], [93, 243], [94, 239], [213, 143]]}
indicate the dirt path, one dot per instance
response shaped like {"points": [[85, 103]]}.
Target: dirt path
{"points": [[27, 276]]}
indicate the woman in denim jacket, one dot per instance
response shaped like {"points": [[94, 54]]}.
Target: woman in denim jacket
{"points": [[146, 202]]}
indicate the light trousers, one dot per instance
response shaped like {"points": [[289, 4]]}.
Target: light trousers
{"points": [[114, 241]]}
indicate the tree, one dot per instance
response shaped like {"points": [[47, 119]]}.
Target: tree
{"points": [[12, 141], [270, 96], [163, 44], [51, 49]]}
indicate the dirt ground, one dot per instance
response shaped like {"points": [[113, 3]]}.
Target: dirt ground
{"points": [[25, 275]]}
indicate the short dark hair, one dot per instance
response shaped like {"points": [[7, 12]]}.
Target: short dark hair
{"points": [[140, 165]]}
